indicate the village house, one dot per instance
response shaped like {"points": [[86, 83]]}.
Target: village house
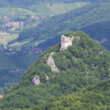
{"points": [[1, 96]]}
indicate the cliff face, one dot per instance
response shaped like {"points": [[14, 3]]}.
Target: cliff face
{"points": [[51, 63], [67, 41], [36, 80]]}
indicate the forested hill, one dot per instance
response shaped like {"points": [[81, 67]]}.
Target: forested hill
{"points": [[75, 20], [59, 71]]}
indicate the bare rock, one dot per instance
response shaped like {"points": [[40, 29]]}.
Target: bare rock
{"points": [[47, 78], [51, 63], [36, 80], [75, 58], [67, 41]]}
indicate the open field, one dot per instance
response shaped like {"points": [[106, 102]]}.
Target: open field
{"points": [[6, 37], [64, 7], [15, 12]]}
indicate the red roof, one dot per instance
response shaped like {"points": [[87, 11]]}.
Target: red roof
{"points": [[1, 96]]}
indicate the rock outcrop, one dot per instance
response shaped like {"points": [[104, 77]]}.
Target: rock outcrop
{"points": [[67, 41], [51, 63], [36, 80], [47, 78]]}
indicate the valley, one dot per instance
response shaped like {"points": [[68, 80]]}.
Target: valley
{"points": [[72, 21]]}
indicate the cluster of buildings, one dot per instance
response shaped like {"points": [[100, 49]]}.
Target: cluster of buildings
{"points": [[1, 96], [11, 52], [5, 18], [14, 25], [7, 25], [104, 40], [32, 51]]}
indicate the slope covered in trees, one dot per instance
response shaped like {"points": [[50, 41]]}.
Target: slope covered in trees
{"points": [[74, 20], [83, 64], [93, 98]]}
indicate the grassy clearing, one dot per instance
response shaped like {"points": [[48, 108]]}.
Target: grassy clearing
{"points": [[55, 8], [19, 43], [38, 42], [64, 7], [15, 12], [6, 37]]}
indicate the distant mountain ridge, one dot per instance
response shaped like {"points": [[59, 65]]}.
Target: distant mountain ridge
{"points": [[31, 2], [71, 21]]}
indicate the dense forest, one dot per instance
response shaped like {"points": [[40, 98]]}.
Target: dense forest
{"points": [[93, 98], [83, 64]]}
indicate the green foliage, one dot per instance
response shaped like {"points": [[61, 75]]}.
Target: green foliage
{"points": [[95, 98], [83, 64]]}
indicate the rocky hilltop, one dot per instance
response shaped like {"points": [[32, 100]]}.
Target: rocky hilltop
{"points": [[67, 41], [68, 67]]}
